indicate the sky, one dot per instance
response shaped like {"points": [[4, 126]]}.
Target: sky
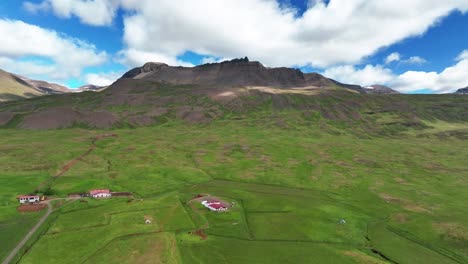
{"points": [[413, 46]]}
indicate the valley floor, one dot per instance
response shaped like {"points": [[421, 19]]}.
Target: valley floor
{"points": [[298, 195]]}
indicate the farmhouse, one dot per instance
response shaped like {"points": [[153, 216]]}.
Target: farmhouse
{"points": [[104, 193], [28, 199], [214, 205]]}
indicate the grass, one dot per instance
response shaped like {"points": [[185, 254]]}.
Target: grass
{"points": [[292, 178]]}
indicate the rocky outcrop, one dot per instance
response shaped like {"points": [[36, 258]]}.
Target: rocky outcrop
{"points": [[462, 91]]}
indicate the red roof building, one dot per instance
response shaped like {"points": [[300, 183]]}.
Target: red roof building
{"points": [[214, 205]]}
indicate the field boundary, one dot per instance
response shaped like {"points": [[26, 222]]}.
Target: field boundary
{"points": [[108, 220], [294, 241], [441, 251], [131, 235]]}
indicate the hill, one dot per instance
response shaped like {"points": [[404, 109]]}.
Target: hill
{"points": [[13, 87]]}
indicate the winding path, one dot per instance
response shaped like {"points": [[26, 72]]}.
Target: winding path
{"points": [[29, 234]]}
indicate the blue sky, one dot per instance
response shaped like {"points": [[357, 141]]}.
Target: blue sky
{"points": [[415, 51]]}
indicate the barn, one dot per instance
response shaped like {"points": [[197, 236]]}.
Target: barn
{"points": [[101, 193], [28, 199]]}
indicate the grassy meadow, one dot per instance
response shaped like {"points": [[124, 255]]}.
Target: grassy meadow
{"points": [[402, 196]]}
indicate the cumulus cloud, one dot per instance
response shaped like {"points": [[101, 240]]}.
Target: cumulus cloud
{"points": [[35, 8], [395, 56], [366, 76], [92, 12], [56, 55], [415, 60], [463, 55], [340, 32], [135, 58], [446, 81], [102, 79]]}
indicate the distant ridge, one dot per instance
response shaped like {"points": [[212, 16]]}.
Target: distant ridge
{"points": [[14, 87], [380, 89], [462, 91], [89, 87]]}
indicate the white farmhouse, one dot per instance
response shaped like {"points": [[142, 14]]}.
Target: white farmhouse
{"points": [[103, 193], [28, 199]]}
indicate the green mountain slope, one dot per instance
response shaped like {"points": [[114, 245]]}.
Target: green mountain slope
{"points": [[12, 88]]}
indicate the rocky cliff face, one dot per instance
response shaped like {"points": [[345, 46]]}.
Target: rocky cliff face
{"points": [[234, 73]]}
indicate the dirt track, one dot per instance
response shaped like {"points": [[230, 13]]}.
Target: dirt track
{"points": [[29, 234], [34, 229], [72, 162]]}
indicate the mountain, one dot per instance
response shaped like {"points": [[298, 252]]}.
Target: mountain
{"points": [[462, 91], [13, 87], [379, 89], [234, 73], [239, 89]]}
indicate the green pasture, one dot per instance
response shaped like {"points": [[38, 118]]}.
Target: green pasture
{"points": [[402, 196]]}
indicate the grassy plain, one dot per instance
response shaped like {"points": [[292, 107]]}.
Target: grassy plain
{"points": [[402, 195]]}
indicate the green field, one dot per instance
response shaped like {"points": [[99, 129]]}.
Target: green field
{"points": [[402, 194]]}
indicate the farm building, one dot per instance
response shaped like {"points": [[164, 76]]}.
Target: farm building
{"points": [[104, 193], [214, 205], [28, 199]]}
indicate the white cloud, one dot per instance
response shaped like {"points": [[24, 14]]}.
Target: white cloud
{"points": [[415, 60], [463, 55], [369, 75], [58, 56], [446, 81], [340, 32], [135, 58], [449, 80], [210, 59], [35, 8], [92, 12], [395, 56], [102, 79]]}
